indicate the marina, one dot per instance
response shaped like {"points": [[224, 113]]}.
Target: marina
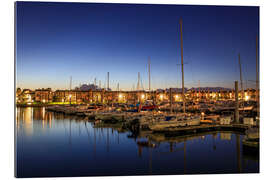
{"points": [[74, 143], [151, 90], [158, 122]]}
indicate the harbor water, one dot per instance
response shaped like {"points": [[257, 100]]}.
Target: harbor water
{"points": [[56, 145]]}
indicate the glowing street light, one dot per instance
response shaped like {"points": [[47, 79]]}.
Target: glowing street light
{"points": [[176, 97], [202, 115], [70, 98]]}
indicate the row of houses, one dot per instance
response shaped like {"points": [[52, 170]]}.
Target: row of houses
{"points": [[103, 96]]}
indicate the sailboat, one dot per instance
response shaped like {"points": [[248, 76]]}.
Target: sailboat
{"points": [[184, 119]]}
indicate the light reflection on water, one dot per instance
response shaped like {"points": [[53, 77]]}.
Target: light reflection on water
{"points": [[52, 144]]}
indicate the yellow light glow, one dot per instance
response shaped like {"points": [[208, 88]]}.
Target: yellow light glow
{"points": [[29, 98], [142, 96], [176, 96], [43, 100], [202, 113], [120, 95], [70, 96], [247, 98], [161, 96], [62, 100]]}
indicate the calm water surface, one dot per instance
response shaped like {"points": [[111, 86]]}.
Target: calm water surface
{"points": [[52, 144]]}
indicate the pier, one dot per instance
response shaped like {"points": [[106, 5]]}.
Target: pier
{"points": [[241, 128]]}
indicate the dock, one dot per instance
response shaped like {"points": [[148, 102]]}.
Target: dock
{"points": [[241, 128]]}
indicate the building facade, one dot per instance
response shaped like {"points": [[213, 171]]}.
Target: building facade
{"points": [[103, 96]]}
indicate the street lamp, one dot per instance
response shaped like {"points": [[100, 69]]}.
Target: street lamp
{"points": [[176, 97], [161, 97], [120, 96], [70, 99]]}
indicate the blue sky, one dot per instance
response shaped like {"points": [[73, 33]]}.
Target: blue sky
{"points": [[86, 40]]}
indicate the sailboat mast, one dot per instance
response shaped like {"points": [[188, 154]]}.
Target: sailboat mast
{"points": [[182, 63], [70, 83], [138, 84], [108, 81], [149, 80], [257, 78], [241, 80], [95, 83]]}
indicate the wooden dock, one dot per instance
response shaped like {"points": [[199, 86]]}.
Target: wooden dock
{"points": [[241, 128]]}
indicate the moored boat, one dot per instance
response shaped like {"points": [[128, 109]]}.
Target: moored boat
{"points": [[175, 121]]}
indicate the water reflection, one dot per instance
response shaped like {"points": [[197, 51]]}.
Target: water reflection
{"points": [[74, 146], [225, 136], [24, 119]]}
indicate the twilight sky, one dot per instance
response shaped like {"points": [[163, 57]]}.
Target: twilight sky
{"points": [[85, 41]]}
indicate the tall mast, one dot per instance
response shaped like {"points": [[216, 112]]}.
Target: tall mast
{"points": [[149, 74], [70, 83], [199, 90], [95, 83], [70, 86], [257, 78], [138, 85], [108, 85], [182, 63], [241, 80]]}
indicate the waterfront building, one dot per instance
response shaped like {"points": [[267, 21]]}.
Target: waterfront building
{"points": [[43, 95], [104, 96]]}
